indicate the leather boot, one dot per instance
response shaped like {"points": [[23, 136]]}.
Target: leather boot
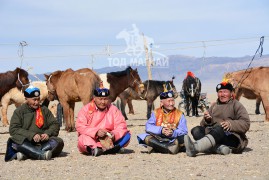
{"points": [[33, 152], [202, 145], [21, 156], [55, 145], [222, 149], [162, 147]]}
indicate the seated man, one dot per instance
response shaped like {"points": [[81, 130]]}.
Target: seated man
{"points": [[33, 130], [101, 127], [166, 127], [223, 127]]}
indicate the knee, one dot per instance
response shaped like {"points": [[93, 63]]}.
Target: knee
{"points": [[218, 133], [198, 132]]}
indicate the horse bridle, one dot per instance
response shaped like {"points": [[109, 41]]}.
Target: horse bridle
{"points": [[23, 85], [52, 92], [140, 85]]}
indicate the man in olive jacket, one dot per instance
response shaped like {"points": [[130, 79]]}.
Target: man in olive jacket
{"points": [[33, 131], [223, 128]]}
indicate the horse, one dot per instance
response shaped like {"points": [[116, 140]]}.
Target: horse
{"points": [[11, 79], [192, 88], [117, 82], [72, 86], [249, 95], [69, 87], [15, 96], [153, 89], [253, 82]]}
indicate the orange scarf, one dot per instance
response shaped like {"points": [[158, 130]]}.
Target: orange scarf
{"points": [[169, 120], [92, 107], [39, 121]]}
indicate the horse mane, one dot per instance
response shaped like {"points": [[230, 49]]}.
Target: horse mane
{"points": [[121, 73]]}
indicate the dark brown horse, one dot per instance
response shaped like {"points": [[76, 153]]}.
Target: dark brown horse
{"points": [[117, 82], [10, 79], [72, 86], [153, 89]]}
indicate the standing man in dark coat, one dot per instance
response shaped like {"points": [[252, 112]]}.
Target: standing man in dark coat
{"points": [[223, 128], [33, 131]]}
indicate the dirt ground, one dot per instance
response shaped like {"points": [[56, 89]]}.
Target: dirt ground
{"points": [[136, 163]]}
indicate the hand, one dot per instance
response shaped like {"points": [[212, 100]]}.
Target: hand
{"points": [[167, 131], [44, 137], [101, 133], [207, 116], [226, 125], [37, 138]]}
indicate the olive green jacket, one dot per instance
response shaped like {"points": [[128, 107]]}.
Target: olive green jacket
{"points": [[22, 124]]}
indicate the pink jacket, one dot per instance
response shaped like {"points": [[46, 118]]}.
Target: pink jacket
{"points": [[90, 120]]}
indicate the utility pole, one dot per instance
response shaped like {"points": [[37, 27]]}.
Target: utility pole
{"points": [[148, 61]]}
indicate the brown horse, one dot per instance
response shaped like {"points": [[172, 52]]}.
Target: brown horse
{"points": [[253, 83], [71, 86], [117, 82], [10, 79], [249, 95]]}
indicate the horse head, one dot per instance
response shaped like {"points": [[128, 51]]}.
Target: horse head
{"points": [[22, 79], [135, 81], [51, 82]]}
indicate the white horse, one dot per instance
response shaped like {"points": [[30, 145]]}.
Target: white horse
{"points": [[15, 96]]}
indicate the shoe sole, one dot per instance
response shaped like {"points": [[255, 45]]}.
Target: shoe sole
{"points": [[188, 144]]}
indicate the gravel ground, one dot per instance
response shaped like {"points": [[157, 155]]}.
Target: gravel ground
{"points": [[135, 163]]}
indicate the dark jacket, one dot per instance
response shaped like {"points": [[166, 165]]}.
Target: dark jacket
{"points": [[22, 124]]}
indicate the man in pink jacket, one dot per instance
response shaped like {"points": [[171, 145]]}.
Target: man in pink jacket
{"points": [[101, 127]]}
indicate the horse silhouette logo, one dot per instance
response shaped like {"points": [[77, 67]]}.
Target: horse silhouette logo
{"points": [[134, 41]]}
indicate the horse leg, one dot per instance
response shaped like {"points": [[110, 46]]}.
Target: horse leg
{"points": [[188, 105], [258, 103], [130, 106], [71, 114], [122, 107], [66, 116], [265, 104], [4, 115], [149, 103]]}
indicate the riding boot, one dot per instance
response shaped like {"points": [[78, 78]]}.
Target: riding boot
{"points": [[54, 144], [33, 152], [162, 147], [113, 150], [222, 149], [202, 145]]}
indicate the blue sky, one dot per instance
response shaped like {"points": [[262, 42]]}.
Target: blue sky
{"points": [[71, 34]]}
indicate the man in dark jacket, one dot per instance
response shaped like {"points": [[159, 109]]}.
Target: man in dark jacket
{"points": [[33, 131], [223, 128]]}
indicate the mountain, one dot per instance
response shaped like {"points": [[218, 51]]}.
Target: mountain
{"points": [[210, 70]]}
